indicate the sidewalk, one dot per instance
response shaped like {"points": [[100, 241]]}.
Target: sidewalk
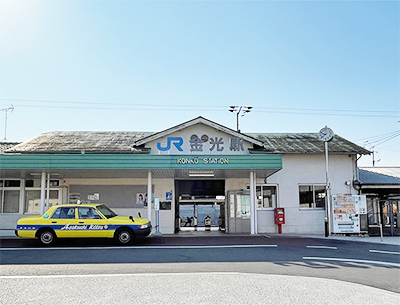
{"points": [[393, 240]]}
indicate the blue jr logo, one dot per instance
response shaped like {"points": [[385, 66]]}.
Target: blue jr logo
{"points": [[177, 141]]}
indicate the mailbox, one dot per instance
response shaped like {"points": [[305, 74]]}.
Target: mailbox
{"points": [[280, 216]]}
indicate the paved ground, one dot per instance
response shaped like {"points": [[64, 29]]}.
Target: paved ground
{"points": [[394, 240], [194, 288]]}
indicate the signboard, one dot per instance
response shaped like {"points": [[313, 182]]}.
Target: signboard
{"points": [[198, 144], [346, 213], [95, 196], [74, 197]]}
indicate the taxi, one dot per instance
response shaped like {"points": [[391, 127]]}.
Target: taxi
{"points": [[82, 221]]}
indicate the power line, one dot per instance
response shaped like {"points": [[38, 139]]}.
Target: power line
{"points": [[380, 136], [378, 142], [186, 107], [332, 110]]}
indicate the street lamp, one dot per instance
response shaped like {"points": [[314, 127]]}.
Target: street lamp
{"points": [[239, 110]]}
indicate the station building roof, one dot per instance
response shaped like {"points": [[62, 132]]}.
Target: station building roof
{"points": [[127, 142]]}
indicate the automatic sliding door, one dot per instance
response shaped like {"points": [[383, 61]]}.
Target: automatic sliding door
{"points": [[239, 211]]}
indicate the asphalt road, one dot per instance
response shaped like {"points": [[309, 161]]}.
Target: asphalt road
{"points": [[228, 270]]}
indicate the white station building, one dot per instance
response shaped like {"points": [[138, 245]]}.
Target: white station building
{"points": [[192, 170]]}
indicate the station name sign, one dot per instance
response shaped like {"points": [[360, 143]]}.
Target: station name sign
{"points": [[197, 160], [205, 143]]}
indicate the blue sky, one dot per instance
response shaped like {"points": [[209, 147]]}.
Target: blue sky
{"points": [[150, 65]]}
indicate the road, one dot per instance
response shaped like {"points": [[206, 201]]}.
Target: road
{"points": [[229, 270]]}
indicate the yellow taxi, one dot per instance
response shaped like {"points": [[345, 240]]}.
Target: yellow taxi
{"points": [[82, 221]]}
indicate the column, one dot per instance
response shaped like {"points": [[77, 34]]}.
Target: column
{"points": [[252, 204], [42, 193], [47, 192], [149, 192]]}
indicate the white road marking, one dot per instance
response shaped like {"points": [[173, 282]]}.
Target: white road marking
{"points": [[141, 247], [321, 247], [115, 275], [351, 260], [384, 252]]}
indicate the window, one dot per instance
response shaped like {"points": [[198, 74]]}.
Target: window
{"points": [[64, 213], [266, 196], [9, 198], [88, 213], [312, 196], [32, 202], [11, 201]]}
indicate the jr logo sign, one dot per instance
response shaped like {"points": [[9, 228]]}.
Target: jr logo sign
{"points": [[176, 141]]}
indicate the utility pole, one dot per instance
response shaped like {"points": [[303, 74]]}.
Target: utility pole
{"points": [[238, 110], [6, 110]]}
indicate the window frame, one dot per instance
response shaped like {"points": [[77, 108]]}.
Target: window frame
{"points": [[262, 208], [4, 188], [313, 203], [27, 189]]}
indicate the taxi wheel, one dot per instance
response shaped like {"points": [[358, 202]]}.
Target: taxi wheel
{"points": [[124, 236], [47, 237]]}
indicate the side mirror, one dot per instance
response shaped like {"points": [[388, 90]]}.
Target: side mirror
{"points": [[140, 215]]}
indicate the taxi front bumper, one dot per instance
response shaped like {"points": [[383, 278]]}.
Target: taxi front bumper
{"points": [[142, 233]]}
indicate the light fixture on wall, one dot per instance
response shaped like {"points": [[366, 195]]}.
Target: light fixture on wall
{"points": [[39, 174], [201, 174], [357, 185]]}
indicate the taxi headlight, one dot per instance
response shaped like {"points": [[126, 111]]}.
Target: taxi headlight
{"points": [[144, 226]]}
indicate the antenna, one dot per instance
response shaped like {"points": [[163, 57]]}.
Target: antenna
{"points": [[6, 110]]}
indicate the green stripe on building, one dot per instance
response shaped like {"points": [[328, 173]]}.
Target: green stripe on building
{"points": [[135, 161]]}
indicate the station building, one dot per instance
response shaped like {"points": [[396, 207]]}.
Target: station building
{"points": [[193, 170]]}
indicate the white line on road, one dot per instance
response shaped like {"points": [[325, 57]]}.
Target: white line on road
{"points": [[111, 275], [141, 247], [351, 260], [321, 247], [384, 252]]}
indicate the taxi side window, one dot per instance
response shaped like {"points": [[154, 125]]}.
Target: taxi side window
{"points": [[88, 213], [64, 213]]}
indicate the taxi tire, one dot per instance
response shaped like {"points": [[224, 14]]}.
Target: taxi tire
{"points": [[47, 237], [124, 236]]}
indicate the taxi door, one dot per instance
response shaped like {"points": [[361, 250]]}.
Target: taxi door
{"points": [[63, 221], [96, 225]]}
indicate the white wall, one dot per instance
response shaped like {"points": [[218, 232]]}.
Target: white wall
{"points": [[305, 169]]}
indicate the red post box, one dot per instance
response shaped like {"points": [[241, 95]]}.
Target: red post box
{"points": [[280, 218]]}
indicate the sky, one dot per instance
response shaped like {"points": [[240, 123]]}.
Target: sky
{"points": [[151, 65]]}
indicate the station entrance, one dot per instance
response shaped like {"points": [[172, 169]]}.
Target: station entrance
{"points": [[200, 206]]}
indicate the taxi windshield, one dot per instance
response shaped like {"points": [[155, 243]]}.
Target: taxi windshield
{"points": [[106, 211]]}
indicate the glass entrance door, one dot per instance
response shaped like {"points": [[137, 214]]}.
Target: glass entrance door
{"points": [[239, 212]]}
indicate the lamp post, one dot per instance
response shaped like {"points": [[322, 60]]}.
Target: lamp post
{"points": [[239, 110]]}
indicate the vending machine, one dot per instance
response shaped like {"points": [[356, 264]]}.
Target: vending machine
{"points": [[349, 213]]}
